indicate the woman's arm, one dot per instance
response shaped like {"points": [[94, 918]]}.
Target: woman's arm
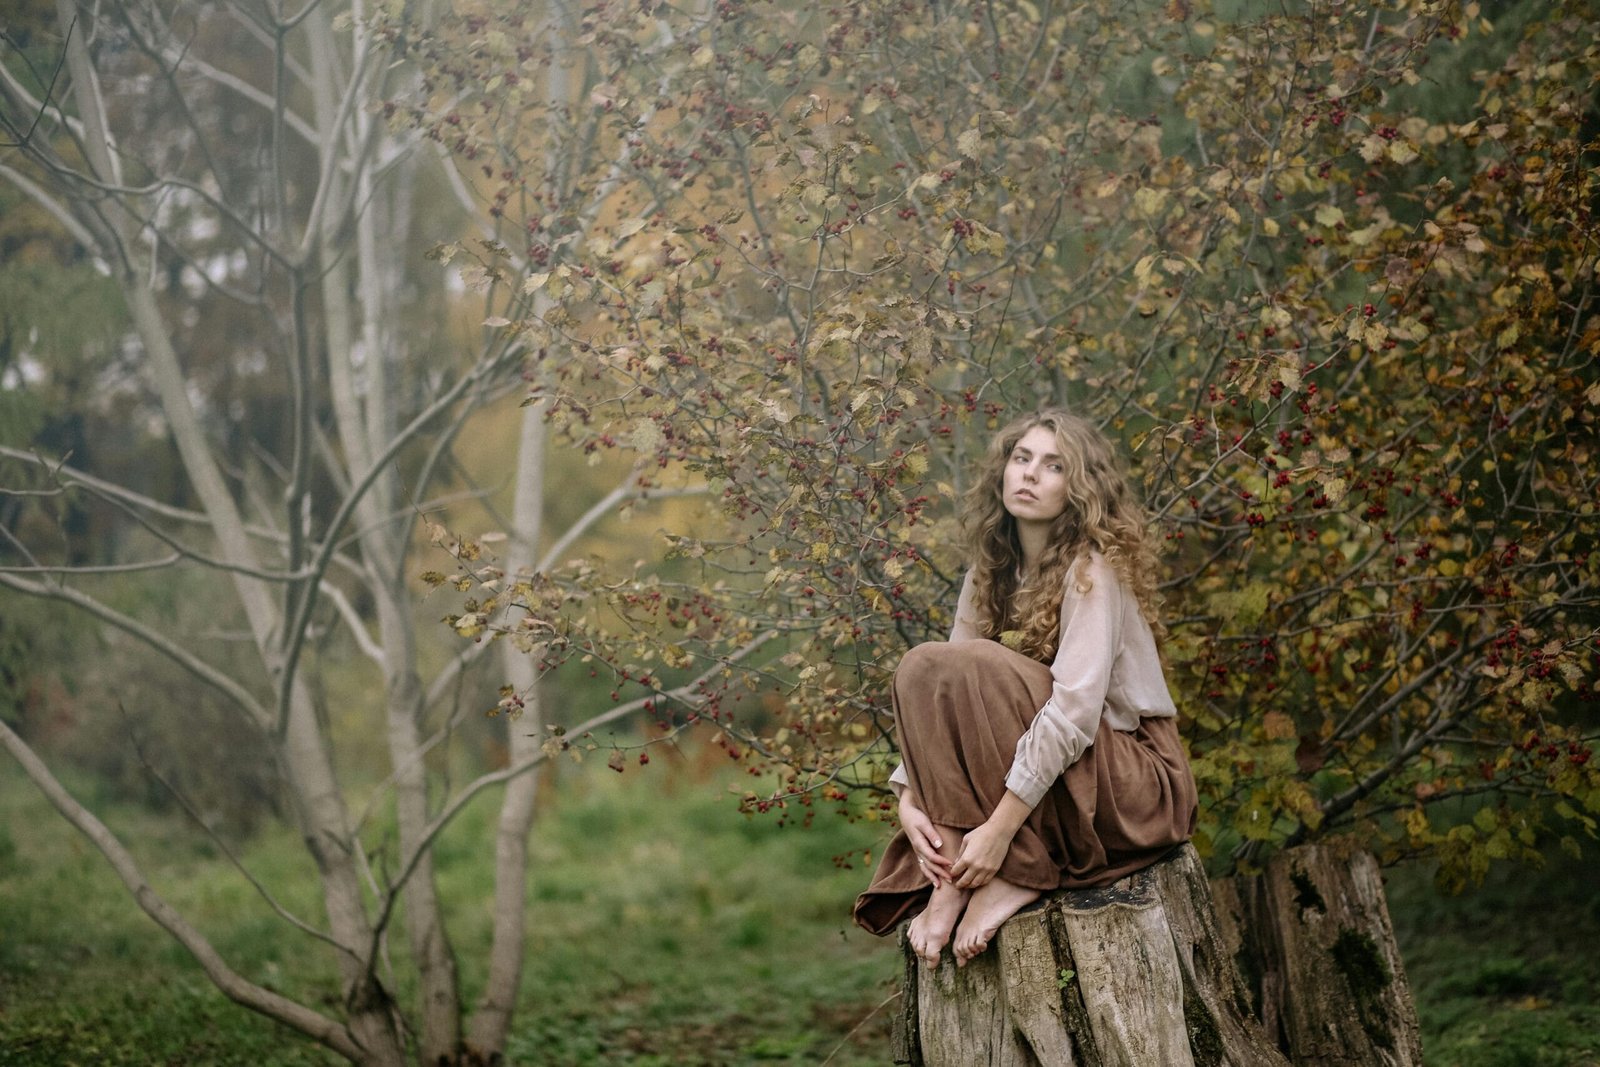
{"points": [[1091, 638], [965, 625], [925, 839], [985, 848]]}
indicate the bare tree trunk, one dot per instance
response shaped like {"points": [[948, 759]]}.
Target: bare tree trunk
{"points": [[491, 1022], [364, 428], [1313, 938], [319, 805]]}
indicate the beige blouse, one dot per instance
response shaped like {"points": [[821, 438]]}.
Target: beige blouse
{"points": [[1106, 668]]}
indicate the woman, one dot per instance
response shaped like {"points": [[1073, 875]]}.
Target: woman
{"points": [[1039, 744]]}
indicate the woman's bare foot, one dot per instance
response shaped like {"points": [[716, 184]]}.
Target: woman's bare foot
{"points": [[990, 906], [931, 930]]}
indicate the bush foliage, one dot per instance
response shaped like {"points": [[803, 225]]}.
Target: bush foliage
{"points": [[1340, 312]]}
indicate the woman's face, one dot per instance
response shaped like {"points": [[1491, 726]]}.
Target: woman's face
{"points": [[1035, 482]]}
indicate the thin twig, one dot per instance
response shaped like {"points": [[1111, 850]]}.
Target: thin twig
{"points": [[864, 1020], [216, 839]]}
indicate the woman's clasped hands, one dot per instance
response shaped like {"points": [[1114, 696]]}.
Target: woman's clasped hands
{"points": [[925, 841], [982, 852]]}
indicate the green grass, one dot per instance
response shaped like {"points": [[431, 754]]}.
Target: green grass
{"points": [[664, 928], [1505, 975]]}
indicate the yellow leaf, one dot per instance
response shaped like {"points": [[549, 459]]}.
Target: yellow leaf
{"points": [[1275, 317], [970, 143], [920, 343], [1289, 373], [1242, 606], [1366, 235], [1150, 202], [1279, 726], [646, 436]]}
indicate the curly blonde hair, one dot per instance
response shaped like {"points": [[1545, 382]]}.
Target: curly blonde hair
{"points": [[1102, 514]]}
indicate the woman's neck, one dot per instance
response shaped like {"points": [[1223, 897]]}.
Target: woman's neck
{"points": [[1032, 537]]}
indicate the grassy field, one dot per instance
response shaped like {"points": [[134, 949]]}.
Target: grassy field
{"points": [[665, 929], [1505, 975]]}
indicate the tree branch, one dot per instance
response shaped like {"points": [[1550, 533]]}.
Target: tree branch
{"points": [[628, 487], [162, 644], [313, 1024], [358, 628], [216, 839], [684, 694], [57, 211], [318, 566]]}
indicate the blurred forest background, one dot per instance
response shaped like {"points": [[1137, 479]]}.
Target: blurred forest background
{"points": [[467, 470]]}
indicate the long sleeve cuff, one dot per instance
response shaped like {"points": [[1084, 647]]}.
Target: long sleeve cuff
{"points": [[898, 775], [1029, 788]]}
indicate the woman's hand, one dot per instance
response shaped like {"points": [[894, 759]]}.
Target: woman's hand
{"points": [[925, 840], [984, 849], [982, 852]]}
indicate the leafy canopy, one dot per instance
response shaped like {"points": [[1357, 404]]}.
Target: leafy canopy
{"points": [[1339, 310]]}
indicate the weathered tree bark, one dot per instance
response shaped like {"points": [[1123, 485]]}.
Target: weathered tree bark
{"points": [[1146, 971], [1312, 936], [1130, 975]]}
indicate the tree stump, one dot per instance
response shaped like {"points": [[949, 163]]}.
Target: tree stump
{"points": [[1145, 972], [1312, 938], [1132, 975]]}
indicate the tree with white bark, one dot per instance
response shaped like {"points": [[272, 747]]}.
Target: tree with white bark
{"points": [[235, 156]]}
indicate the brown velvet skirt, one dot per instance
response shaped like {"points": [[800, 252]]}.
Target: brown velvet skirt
{"points": [[960, 708]]}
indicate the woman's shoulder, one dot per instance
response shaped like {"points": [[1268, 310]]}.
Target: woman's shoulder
{"points": [[1089, 571], [1092, 563]]}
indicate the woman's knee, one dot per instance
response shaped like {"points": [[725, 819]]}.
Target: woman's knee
{"points": [[941, 659], [923, 662]]}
